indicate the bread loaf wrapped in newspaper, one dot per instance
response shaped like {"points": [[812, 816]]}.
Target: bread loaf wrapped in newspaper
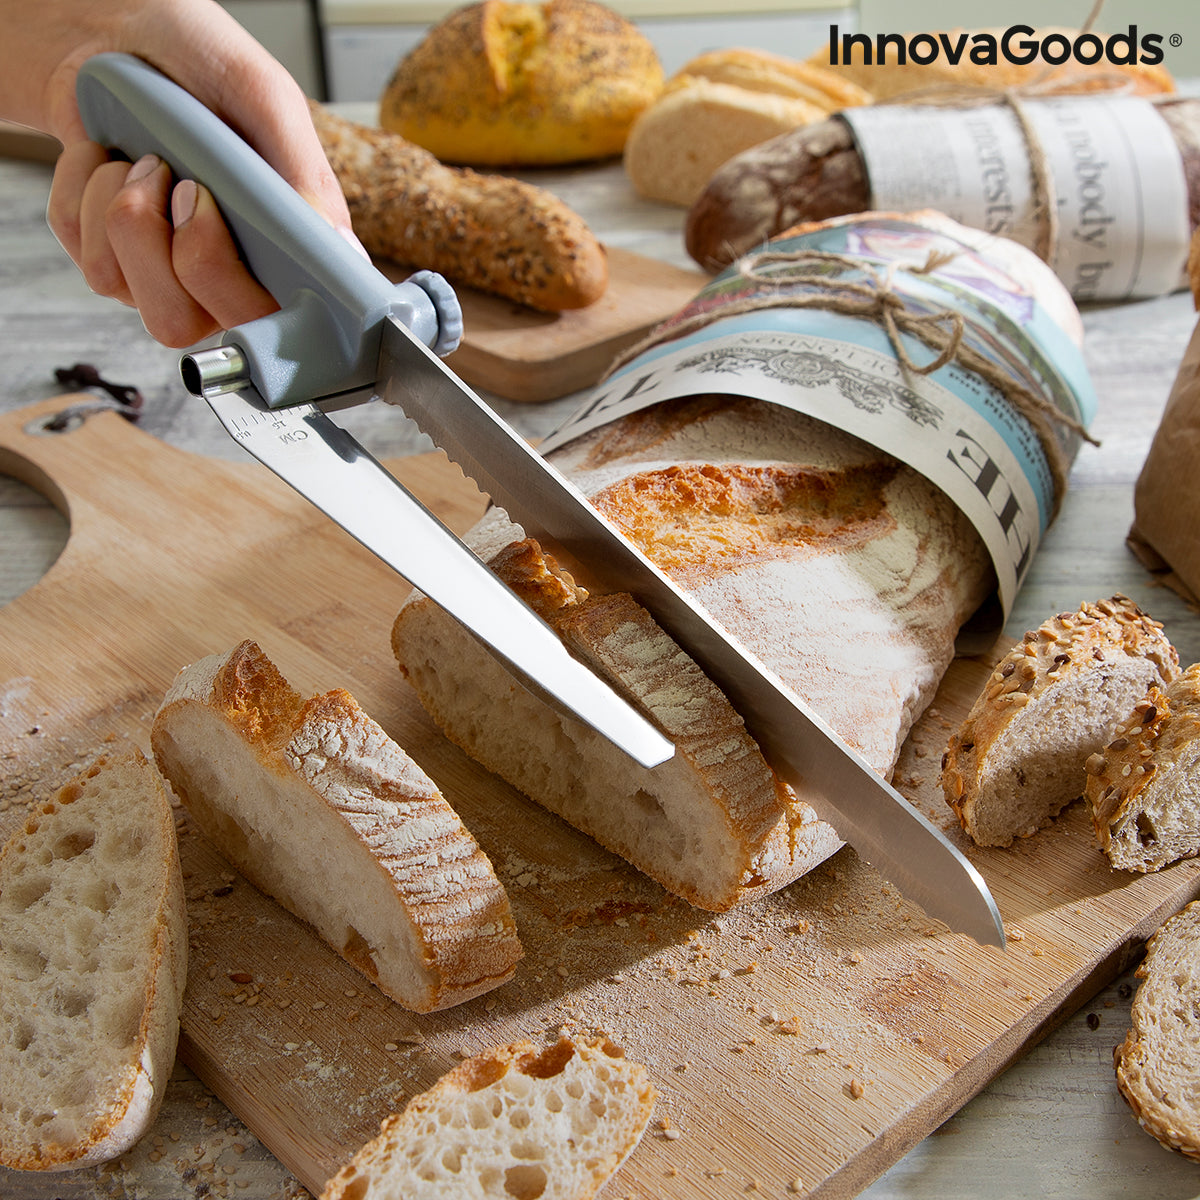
{"points": [[844, 568]]}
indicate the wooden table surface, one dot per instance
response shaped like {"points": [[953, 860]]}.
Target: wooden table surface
{"points": [[1054, 1125]]}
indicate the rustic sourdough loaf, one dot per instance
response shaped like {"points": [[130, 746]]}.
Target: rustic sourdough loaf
{"points": [[315, 805], [503, 83], [838, 566], [512, 1122], [1158, 1063], [1018, 758], [490, 232], [93, 961], [1144, 786]]}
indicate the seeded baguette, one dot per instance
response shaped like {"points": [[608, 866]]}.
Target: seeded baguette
{"points": [[316, 806], [1158, 1063], [489, 232], [1144, 787], [1018, 758], [93, 962], [513, 1121]]}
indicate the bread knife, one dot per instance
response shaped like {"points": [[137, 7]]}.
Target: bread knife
{"points": [[274, 394]]}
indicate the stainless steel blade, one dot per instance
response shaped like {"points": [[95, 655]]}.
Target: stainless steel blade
{"points": [[864, 809], [327, 465]]}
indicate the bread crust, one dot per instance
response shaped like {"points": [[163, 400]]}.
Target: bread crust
{"points": [[1018, 757], [503, 83], [581, 1102], [1158, 1062], [490, 232], [71, 1094], [409, 897], [1142, 787]]}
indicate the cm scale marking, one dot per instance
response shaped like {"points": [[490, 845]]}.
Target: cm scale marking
{"points": [[328, 466]]}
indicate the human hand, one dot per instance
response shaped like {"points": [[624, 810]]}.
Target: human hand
{"points": [[137, 234]]}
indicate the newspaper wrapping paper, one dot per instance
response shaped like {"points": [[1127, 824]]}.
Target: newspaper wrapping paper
{"points": [[1116, 179], [957, 430]]}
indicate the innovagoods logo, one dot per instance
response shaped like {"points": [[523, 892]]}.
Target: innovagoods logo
{"points": [[1018, 44]]}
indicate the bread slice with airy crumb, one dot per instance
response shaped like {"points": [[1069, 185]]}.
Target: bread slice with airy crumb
{"points": [[1144, 786], [712, 824], [1018, 758], [513, 1121], [93, 962], [1158, 1063], [316, 806]]}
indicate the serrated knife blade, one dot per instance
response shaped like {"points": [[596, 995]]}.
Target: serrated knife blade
{"points": [[864, 809]]}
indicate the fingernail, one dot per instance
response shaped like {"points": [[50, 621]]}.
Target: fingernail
{"points": [[183, 202], [146, 165]]}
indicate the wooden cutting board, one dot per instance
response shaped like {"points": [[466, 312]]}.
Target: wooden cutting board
{"points": [[529, 356], [811, 1038]]}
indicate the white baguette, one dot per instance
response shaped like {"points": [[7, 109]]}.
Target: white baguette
{"points": [[1158, 1063], [1144, 786], [510, 1122], [315, 805], [93, 962], [836, 565]]}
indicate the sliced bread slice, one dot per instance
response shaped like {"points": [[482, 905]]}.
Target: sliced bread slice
{"points": [[1017, 760], [1158, 1063], [93, 962], [713, 824], [1144, 786], [316, 806], [511, 1122]]}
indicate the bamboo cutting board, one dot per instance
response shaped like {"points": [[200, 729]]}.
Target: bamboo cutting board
{"points": [[803, 1044]]}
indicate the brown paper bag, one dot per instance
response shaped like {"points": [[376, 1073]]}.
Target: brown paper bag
{"points": [[1165, 534]]}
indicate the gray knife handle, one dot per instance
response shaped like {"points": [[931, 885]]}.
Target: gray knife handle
{"points": [[330, 297]]}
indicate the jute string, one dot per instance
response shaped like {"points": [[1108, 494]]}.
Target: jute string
{"points": [[872, 297], [1049, 82]]}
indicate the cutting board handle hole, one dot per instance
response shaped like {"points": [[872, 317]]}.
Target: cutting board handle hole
{"points": [[71, 418]]}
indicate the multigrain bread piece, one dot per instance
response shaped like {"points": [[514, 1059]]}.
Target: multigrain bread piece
{"points": [[1144, 787], [512, 1122], [316, 806], [840, 568], [93, 962], [504, 83], [490, 232], [1158, 1063], [1018, 758]]}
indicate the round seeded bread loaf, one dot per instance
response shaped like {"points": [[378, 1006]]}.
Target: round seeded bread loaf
{"points": [[1018, 758], [1144, 786], [511, 1122], [1158, 1063], [504, 83], [93, 962]]}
